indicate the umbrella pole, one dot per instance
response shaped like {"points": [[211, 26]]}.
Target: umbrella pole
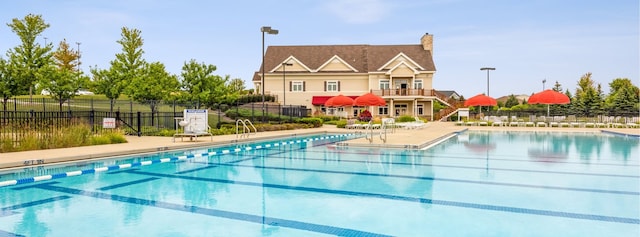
{"points": [[547, 110]]}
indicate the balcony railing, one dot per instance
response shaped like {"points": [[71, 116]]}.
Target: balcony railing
{"points": [[408, 92]]}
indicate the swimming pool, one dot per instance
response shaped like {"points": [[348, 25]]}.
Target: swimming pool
{"points": [[473, 184]]}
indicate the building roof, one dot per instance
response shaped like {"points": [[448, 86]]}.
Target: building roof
{"points": [[364, 58], [448, 93]]}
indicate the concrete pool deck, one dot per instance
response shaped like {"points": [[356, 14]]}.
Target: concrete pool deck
{"points": [[399, 138]]}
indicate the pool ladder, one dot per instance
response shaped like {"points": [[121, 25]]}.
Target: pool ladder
{"points": [[246, 131], [383, 132]]}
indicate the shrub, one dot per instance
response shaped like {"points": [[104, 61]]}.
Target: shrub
{"points": [[405, 118], [316, 122], [100, 140], [365, 116], [116, 137], [341, 124]]}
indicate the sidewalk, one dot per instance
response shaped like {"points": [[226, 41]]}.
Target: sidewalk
{"points": [[400, 138]]}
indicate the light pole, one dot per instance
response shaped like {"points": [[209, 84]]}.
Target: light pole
{"points": [[284, 87], [78, 43], [268, 30], [543, 81], [488, 69]]}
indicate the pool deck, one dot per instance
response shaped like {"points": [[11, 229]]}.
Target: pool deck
{"points": [[399, 138]]}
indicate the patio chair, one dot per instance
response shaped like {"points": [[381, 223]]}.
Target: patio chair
{"points": [[497, 122], [351, 124]]}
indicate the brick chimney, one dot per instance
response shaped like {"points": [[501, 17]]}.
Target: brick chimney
{"points": [[427, 42]]}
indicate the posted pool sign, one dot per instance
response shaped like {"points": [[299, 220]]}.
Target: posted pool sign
{"points": [[108, 122], [197, 120]]}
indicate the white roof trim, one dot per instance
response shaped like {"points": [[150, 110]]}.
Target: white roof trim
{"points": [[415, 72], [398, 56], [339, 59], [288, 60]]}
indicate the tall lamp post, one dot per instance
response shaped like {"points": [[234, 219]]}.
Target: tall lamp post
{"points": [[284, 87], [268, 30], [543, 81], [488, 69]]}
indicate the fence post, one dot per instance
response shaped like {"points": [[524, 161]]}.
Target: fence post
{"points": [[92, 119], [139, 124]]}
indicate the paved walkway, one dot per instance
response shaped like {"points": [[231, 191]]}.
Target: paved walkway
{"points": [[399, 138]]}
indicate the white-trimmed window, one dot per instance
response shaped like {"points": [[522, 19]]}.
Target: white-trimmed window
{"points": [[384, 84], [417, 84], [297, 86], [383, 110], [420, 109], [332, 86]]}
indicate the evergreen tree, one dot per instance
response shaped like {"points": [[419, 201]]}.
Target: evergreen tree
{"points": [[511, 101]]}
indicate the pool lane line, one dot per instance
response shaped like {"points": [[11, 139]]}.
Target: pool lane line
{"points": [[272, 221], [165, 160], [7, 211], [410, 199], [420, 154], [211, 165], [425, 178], [467, 167]]}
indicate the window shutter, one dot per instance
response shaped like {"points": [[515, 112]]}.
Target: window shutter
{"points": [[290, 85], [304, 84], [325, 85], [338, 85]]}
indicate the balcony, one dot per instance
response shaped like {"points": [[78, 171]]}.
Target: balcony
{"points": [[404, 92]]}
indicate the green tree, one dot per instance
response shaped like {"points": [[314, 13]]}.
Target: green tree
{"points": [[28, 57], [200, 84], [62, 79], [588, 100], [106, 82], [511, 101], [8, 85], [237, 86], [557, 87], [623, 97], [125, 68], [156, 84], [62, 83]]}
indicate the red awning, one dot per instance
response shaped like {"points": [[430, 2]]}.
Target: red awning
{"points": [[319, 100]]}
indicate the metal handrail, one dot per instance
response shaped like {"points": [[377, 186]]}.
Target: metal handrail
{"points": [[369, 133], [246, 131], [383, 131], [247, 121]]}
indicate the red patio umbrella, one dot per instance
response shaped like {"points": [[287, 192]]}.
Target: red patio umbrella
{"points": [[481, 100], [549, 97], [338, 101], [369, 99]]}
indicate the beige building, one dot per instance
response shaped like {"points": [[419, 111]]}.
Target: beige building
{"points": [[309, 75]]}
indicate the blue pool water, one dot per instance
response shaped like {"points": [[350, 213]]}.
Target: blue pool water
{"points": [[473, 184]]}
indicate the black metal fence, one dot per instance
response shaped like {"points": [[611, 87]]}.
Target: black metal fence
{"points": [[44, 116], [82, 104], [13, 124]]}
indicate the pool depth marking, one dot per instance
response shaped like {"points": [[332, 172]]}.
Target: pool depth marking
{"points": [[163, 160]]}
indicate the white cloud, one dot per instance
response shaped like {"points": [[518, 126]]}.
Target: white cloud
{"points": [[358, 11]]}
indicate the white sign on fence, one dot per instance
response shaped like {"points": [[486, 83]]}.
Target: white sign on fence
{"points": [[108, 122], [196, 120]]}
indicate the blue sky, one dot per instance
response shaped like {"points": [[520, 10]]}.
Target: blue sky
{"points": [[526, 41]]}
